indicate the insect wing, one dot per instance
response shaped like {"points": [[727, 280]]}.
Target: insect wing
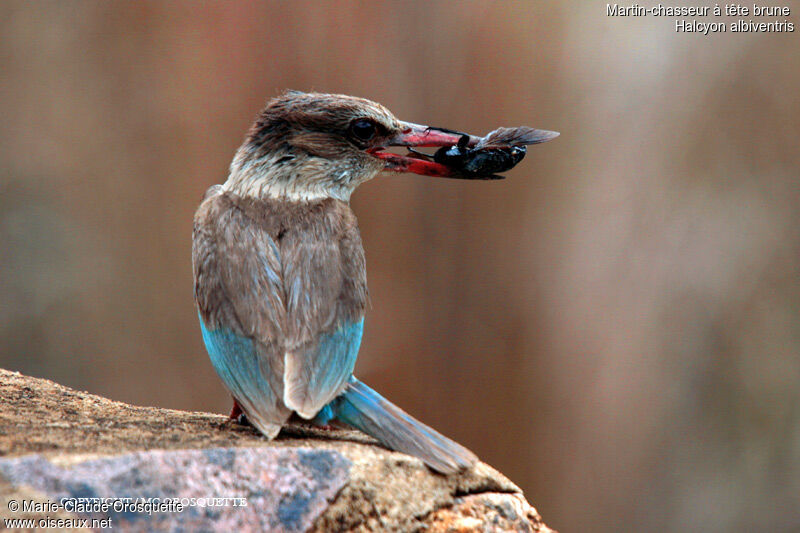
{"points": [[515, 137]]}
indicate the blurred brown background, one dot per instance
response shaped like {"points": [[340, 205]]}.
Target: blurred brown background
{"points": [[616, 326]]}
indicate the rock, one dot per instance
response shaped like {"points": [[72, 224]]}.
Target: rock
{"points": [[144, 469]]}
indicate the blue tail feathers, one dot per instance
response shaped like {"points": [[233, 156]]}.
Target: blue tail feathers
{"points": [[364, 409]]}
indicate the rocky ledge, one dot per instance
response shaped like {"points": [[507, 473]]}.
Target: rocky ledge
{"points": [[94, 463]]}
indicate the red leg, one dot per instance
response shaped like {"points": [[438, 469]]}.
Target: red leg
{"points": [[236, 412]]}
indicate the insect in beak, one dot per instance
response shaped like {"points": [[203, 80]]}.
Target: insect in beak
{"points": [[415, 135], [460, 155]]}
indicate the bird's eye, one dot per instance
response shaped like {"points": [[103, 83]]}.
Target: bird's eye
{"points": [[363, 129]]}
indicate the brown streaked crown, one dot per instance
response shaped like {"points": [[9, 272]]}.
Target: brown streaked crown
{"points": [[325, 116]]}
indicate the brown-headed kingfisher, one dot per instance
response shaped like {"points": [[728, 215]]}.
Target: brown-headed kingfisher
{"points": [[279, 272]]}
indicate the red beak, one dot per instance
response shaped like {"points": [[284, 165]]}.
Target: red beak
{"points": [[420, 136]]}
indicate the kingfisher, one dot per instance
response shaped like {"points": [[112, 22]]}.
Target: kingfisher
{"points": [[280, 275]]}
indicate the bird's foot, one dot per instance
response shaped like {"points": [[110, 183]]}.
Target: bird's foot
{"points": [[237, 415]]}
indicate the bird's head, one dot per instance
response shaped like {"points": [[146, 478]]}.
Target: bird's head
{"points": [[306, 146]]}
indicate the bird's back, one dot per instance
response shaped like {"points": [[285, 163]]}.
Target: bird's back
{"points": [[285, 281]]}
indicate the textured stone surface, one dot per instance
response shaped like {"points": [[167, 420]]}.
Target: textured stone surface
{"points": [[57, 442], [486, 512], [267, 489]]}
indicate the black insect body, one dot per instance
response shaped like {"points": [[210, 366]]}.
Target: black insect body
{"points": [[453, 156], [498, 151], [481, 161], [490, 160]]}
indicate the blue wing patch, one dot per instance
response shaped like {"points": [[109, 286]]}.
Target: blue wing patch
{"points": [[315, 376], [242, 369]]}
